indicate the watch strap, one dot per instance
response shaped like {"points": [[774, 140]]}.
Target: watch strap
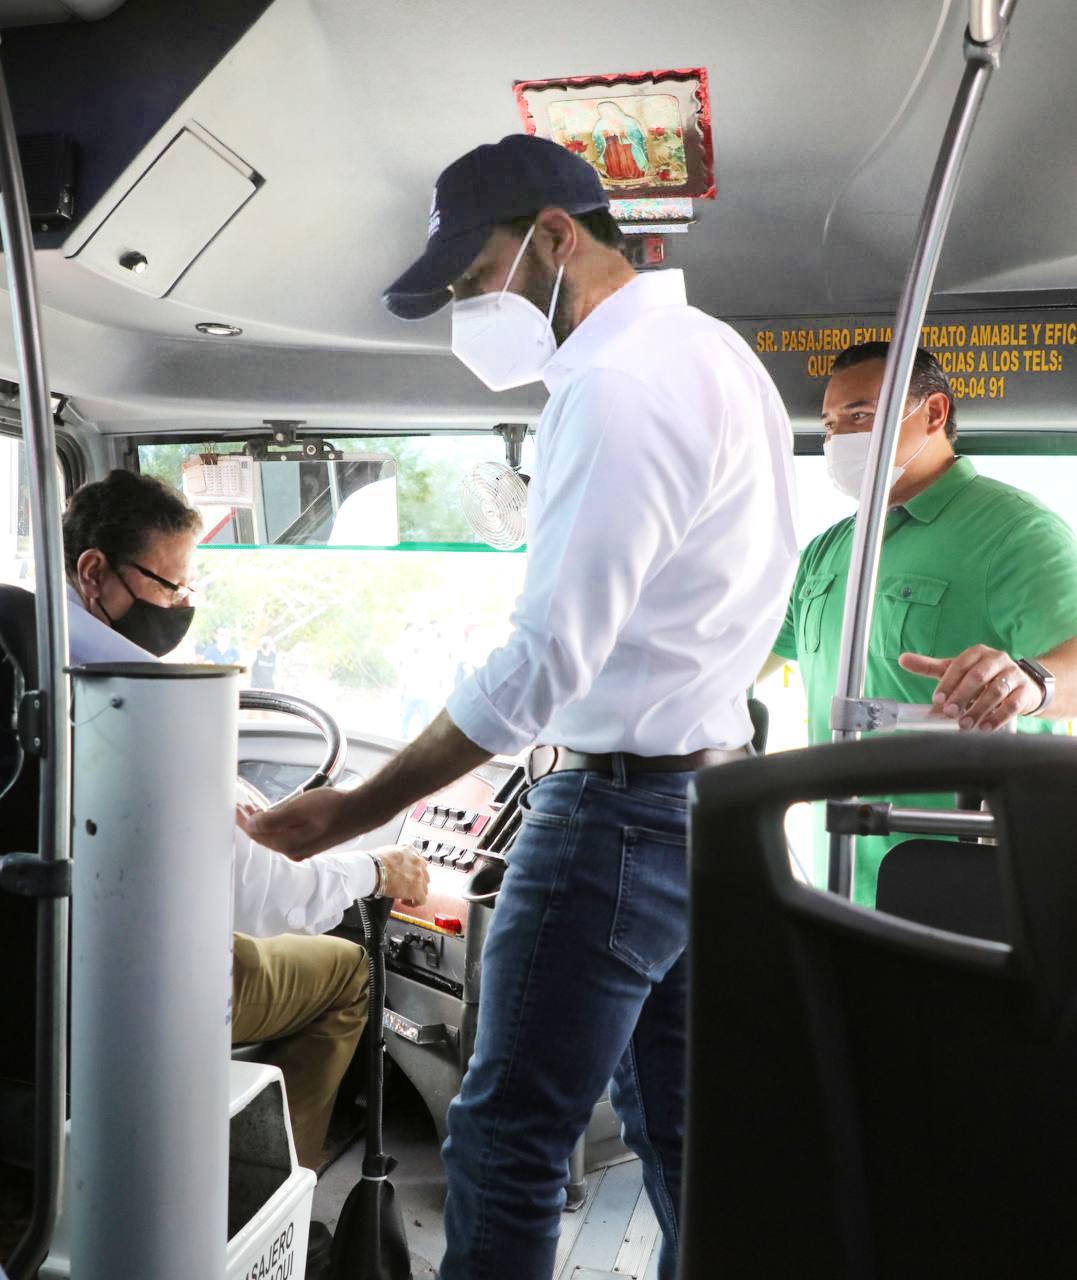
{"points": [[1044, 678]]}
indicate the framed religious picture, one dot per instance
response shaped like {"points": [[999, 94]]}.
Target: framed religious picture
{"points": [[646, 134]]}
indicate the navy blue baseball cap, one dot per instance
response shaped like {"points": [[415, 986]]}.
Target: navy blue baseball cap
{"points": [[516, 177]]}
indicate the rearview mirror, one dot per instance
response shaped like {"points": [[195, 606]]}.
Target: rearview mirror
{"points": [[291, 500]]}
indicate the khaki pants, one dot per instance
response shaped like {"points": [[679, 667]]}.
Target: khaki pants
{"points": [[308, 995]]}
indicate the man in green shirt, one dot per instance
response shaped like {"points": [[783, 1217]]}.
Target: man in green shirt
{"points": [[975, 576]]}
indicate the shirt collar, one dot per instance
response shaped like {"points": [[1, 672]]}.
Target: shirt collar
{"points": [[926, 506], [647, 292]]}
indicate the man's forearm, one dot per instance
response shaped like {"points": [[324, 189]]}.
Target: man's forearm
{"points": [[438, 756]]}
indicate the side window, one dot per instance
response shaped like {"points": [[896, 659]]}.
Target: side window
{"points": [[16, 543], [1051, 479], [819, 504], [16, 551]]}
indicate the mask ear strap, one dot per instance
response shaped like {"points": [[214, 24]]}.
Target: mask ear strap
{"points": [[516, 261], [556, 291]]}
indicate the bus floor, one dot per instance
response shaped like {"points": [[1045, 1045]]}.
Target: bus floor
{"points": [[612, 1236]]}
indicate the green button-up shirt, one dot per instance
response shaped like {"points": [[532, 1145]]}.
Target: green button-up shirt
{"points": [[968, 561]]}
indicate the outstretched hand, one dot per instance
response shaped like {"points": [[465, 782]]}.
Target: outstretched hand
{"points": [[309, 824], [982, 688]]}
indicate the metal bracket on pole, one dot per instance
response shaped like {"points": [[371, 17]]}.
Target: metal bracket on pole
{"points": [[985, 29], [872, 715], [863, 715], [860, 818], [513, 434], [31, 722], [985, 47], [28, 876]]}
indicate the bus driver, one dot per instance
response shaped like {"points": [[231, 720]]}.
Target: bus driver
{"points": [[128, 542]]}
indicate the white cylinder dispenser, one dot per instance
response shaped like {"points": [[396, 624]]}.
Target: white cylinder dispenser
{"points": [[154, 786]]}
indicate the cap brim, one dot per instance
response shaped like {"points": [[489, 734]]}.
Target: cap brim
{"points": [[424, 288]]}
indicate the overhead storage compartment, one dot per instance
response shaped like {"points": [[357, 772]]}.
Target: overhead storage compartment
{"points": [[169, 216]]}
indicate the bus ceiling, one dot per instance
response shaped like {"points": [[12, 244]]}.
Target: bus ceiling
{"points": [[264, 173]]}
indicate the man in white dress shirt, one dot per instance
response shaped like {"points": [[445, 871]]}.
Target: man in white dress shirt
{"points": [[660, 554], [128, 542]]}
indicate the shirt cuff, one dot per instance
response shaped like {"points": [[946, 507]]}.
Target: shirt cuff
{"points": [[357, 868], [478, 719]]}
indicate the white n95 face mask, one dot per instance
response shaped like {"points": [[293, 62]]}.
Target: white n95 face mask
{"points": [[847, 459], [503, 339]]}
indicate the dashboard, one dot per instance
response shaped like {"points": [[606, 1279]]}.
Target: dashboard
{"points": [[463, 832]]}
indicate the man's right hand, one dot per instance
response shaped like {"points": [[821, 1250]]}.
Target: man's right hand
{"points": [[407, 874], [309, 824]]}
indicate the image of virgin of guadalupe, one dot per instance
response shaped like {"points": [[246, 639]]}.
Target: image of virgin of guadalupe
{"points": [[620, 144]]}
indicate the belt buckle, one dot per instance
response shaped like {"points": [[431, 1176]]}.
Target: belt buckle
{"points": [[547, 758]]}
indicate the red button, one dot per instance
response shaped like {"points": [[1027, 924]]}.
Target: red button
{"points": [[418, 811], [451, 924], [480, 822]]}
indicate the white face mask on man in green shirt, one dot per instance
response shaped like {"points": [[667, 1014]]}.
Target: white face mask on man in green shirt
{"points": [[847, 458]]}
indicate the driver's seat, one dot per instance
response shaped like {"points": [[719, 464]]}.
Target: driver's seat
{"points": [[19, 792]]}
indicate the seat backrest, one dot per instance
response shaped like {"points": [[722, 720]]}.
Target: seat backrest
{"points": [[19, 790], [868, 1097], [760, 714], [946, 884]]}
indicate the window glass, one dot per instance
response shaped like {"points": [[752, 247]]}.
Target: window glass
{"points": [[16, 551], [430, 471], [1053, 480], [378, 638]]}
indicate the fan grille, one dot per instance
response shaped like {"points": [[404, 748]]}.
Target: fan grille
{"points": [[495, 503]]}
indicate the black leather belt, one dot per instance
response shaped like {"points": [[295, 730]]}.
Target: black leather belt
{"points": [[550, 759]]}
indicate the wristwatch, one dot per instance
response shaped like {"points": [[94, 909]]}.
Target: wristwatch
{"points": [[383, 877], [1046, 681]]}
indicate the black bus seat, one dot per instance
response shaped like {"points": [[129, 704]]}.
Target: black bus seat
{"points": [[868, 1097], [760, 715], [946, 884], [19, 783]]}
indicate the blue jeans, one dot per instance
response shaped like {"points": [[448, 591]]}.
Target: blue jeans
{"points": [[583, 984]]}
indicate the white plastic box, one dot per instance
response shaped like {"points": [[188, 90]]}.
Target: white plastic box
{"points": [[269, 1194]]}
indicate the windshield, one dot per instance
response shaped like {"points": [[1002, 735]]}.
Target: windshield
{"points": [[378, 635]]}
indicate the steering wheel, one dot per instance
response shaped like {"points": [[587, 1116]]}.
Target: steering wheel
{"points": [[336, 745]]}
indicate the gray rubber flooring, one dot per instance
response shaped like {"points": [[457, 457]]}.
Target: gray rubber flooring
{"points": [[613, 1235]]}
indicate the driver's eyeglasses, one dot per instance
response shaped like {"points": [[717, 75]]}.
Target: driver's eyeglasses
{"points": [[181, 592]]}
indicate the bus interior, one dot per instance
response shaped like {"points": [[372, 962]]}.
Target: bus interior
{"points": [[219, 193]]}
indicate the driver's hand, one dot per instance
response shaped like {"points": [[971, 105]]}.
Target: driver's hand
{"points": [[408, 874], [304, 826]]}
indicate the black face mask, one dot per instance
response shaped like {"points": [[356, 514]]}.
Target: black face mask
{"points": [[152, 627]]}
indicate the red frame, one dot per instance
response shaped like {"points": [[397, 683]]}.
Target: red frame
{"points": [[702, 120]]}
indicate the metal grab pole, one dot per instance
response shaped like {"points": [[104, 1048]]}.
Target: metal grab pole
{"points": [[54, 834], [984, 19], [871, 514]]}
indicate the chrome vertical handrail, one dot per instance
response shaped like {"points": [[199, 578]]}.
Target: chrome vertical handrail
{"points": [[984, 19], [54, 823], [981, 60]]}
